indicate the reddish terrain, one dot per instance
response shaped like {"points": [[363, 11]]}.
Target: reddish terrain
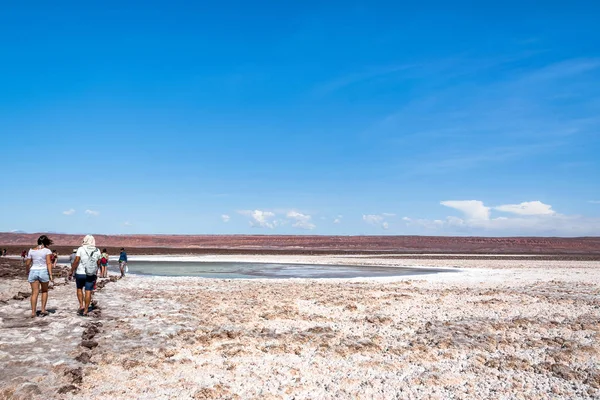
{"points": [[320, 244]]}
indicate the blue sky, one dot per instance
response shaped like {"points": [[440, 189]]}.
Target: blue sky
{"points": [[305, 118]]}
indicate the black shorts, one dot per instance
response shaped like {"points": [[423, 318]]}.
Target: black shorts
{"points": [[87, 281]]}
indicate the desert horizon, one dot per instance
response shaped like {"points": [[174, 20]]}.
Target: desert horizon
{"points": [[325, 243]]}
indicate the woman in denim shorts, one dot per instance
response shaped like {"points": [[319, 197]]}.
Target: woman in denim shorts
{"points": [[39, 270]]}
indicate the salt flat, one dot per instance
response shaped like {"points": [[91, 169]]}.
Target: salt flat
{"points": [[498, 329]]}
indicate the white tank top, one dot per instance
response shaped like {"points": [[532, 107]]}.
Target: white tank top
{"points": [[38, 256]]}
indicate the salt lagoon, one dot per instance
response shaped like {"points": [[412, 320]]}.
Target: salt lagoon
{"points": [[255, 270]]}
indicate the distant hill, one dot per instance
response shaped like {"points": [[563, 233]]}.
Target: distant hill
{"points": [[399, 244]]}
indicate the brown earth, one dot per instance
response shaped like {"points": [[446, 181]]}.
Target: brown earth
{"points": [[14, 268], [11, 268], [231, 244]]}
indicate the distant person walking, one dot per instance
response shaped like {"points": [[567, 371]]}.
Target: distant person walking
{"points": [[23, 256], [39, 272], [85, 267], [104, 264], [123, 262], [72, 256], [54, 257], [71, 261]]}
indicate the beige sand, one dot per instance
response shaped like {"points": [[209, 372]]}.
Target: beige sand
{"points": [[499, 329]]}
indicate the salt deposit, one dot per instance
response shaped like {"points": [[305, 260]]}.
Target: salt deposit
{"points": [[497, 329]]}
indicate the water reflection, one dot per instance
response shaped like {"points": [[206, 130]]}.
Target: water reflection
{"points": [[238, 270]]}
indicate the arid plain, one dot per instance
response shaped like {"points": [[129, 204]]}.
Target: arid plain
{"points": [[498, 327]]}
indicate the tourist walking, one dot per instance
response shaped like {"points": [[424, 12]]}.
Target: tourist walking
{"points": [[54, 258], [72, 256], [39, 273], [23, 256], [104, 264], [123, 262], [85, 267]]}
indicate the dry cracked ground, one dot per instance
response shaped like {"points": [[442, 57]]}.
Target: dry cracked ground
{"points": [[531, 337], [171, 338]]}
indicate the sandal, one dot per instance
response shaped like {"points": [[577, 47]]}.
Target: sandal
{"points": [[80, 311], [44, 314]]}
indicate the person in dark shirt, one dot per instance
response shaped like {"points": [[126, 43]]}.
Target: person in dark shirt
{"points": [[123, 262]]}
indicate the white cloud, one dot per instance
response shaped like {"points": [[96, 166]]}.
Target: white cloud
{"points": [[260, 219], [373, 219], [302, 221], [338, 220], [531, 218], [549, 224], [455, 221], [426, 224], [473, 209], [594, 201], [388, 214], [92, 212], [268, 219], [527, 208], [127, 223], [225, 218], [69, 212], [376, 219]]}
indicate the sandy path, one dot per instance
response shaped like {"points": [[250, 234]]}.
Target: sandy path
{"points": [[39, 356]]}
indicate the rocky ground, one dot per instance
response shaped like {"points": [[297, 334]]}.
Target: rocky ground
{"points": [[519, 331], [42, 357]]}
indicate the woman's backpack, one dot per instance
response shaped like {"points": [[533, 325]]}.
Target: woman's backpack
{"points": [[91, 264]]}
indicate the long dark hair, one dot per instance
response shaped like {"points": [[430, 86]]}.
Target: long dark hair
{"points": [[44, 240]]}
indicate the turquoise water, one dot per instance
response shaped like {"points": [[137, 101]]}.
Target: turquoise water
{"points": [[238, 270]]}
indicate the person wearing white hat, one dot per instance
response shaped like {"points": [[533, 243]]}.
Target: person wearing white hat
{"points": [[72, 256], [85, 267]]}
